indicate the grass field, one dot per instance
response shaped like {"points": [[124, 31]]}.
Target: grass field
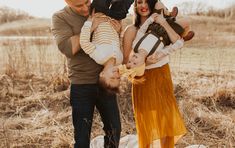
{"points": [[34, 96]]}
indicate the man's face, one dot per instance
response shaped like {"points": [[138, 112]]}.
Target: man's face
{"points": [[80, 6]]}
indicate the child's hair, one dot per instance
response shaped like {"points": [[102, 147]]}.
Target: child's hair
{"points": [[108, 87]]}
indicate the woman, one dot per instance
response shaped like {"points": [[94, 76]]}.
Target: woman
{"points": [[156, 113]]}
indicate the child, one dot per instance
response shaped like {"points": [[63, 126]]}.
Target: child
{"points": [[105, 46], [171, 18]]}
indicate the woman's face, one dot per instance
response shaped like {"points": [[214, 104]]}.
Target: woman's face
{"points": [[142, 7]]}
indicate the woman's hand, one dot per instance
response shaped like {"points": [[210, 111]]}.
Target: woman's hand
{"points": [[160, 19], [154, 16], [152, 59]]}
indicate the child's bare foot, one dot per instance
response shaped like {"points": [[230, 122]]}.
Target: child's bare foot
{"points": [[189, 36]]}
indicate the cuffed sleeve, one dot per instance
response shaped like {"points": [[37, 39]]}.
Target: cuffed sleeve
{"points": [[167, 50]]}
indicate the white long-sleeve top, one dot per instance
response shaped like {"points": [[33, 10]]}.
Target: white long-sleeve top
{"points": [[148, 43], [105, 43]]}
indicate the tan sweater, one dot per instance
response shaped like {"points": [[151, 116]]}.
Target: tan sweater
{"points": [[82, 69]]}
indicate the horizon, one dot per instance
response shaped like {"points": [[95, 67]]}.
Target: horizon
{"points": [[38, 8]]}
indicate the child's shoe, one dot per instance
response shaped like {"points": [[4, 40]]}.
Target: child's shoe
{"points": [[189, 36], [174, 12]]}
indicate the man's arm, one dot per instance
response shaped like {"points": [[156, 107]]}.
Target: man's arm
{"points": [[67, 42], [75, 41]]}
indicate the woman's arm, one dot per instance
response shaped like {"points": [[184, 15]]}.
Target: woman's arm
{"points": [[143, 28], [128, 38], [167, 50], [171, 33]]}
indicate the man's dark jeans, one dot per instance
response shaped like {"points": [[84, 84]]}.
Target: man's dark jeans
{"points": [[84, 98]]}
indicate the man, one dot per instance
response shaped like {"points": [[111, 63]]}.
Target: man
{"points": [[85, 93]]}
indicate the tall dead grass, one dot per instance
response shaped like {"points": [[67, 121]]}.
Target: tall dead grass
{"points": [[34, 93], [31, 57]]}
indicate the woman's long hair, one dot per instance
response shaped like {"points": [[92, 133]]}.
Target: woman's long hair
{"points": [[151, 4]]}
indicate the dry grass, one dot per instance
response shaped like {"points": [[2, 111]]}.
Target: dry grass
{"points": [[35, 112], [34, 93], [32, 27]]}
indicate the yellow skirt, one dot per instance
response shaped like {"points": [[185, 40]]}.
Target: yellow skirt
{"points": [[157, 117]]}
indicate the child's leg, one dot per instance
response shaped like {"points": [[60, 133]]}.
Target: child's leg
{"points": [[160, 6], [183, 23], [187, 34]]}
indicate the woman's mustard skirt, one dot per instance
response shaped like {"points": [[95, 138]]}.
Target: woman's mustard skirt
{"points": [[156, 112]]}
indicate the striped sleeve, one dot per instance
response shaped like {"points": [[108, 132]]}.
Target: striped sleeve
{"points": [[85, 43]]}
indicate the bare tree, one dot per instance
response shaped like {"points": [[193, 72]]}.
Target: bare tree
{"points": [[8, 15]]}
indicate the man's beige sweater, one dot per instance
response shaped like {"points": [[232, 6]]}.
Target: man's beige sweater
{"points": [[82, 69]]}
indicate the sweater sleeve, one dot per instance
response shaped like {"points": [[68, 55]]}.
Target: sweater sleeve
{"points": [[167, 50], [85, 43], [62, 33]]}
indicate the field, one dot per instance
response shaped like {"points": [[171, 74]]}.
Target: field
{"points": [[34, 89]]}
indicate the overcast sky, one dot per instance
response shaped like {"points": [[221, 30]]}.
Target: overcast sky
{"points": [[45, 8]]}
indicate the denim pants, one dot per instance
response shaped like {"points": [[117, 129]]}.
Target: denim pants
{"points": [[84, 98]]}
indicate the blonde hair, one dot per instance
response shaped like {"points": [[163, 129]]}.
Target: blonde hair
{"points": [[108, 87], [134, 75]]}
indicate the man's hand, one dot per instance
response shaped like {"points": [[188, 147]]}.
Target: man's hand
{"points": [[75, 41], [96, 19], [117, 25]]}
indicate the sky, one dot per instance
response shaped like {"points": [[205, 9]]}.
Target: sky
{"points": [[45, 8]]}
